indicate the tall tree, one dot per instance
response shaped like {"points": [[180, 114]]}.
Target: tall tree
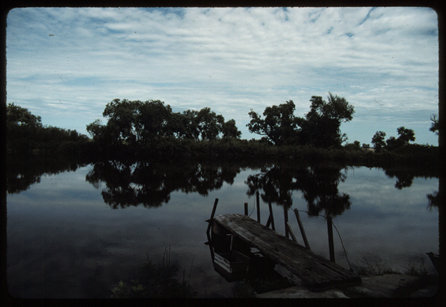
{"points": [[154, 120], [378, 140], [16, 115], [185, 125], [22, 129], [209, 123], [280, 125], [405, 135], [321, 126], [230, 130], [136, 122], [122, 119]]}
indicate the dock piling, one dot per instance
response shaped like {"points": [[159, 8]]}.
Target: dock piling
{"points": [[258, 207], [285, 215], [212, 215], [302, 230], [271, 217], [246, 208], [291, 232], [330, 238]]}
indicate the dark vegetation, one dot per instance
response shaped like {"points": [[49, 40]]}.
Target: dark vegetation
{"points": [[156, 281], [151, 130], [27, 136]]}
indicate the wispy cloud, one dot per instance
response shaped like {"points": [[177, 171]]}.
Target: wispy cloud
{"points": [[65, 64]]}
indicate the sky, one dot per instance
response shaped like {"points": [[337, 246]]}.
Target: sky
{"points": [[66, 64]]}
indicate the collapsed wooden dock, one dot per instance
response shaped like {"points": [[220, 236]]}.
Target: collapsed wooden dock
{"points": [[315, 272]]}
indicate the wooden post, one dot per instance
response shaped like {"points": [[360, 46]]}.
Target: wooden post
{"points": [[246, 208], [268, 222], [302, 230], [291, 232], [330, 238], [210, 246], [258, 207], [271, 216], [212, 215], [285, 215]]}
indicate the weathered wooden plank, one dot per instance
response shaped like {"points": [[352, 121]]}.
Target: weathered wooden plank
{"points": [[315, 271], [281, 253]]}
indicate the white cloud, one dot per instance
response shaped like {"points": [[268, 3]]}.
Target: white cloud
{"points": [[230, 59]]}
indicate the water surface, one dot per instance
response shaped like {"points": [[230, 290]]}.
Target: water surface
{"points": [[75, 233]]}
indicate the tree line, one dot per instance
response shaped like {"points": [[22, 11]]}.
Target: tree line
{"points": [[137, 122], [151, 128], [320, 127], [27, 135], [143, 123]]}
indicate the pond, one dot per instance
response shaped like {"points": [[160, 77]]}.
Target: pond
{"points": [[75, 231]]}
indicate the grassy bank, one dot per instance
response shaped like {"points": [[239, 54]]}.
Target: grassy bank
{"points": [[424, 156]]}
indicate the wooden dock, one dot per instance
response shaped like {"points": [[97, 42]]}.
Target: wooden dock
{"points": [[315, 272]]}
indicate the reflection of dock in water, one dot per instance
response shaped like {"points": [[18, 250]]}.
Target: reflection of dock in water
{"points": [[240, 234]]}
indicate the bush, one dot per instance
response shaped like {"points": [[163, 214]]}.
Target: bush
{"points": [[157, 282]]}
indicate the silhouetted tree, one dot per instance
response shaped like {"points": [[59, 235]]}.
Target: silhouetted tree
{"points": [[434, 126], [210, 124], [144, 124], [21, 129], [280, 125], [26, 134], [230, 130], [405, 135], [321, 127], [378, 141]]}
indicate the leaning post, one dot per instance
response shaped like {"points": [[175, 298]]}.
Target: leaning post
{"points": [[330, 238], [212, 215], [291, 232], [271, 215], [285, 215], [258, 207], [302, 230]]}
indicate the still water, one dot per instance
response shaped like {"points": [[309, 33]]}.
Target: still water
{"points": [[76, 231]]}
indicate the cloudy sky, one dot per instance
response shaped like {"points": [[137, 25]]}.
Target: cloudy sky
{"points": [[66, 64]]}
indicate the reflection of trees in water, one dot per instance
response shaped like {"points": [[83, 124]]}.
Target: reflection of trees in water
{"points": [[150, 183], [404, 178], [22, 172], [406, 175], [129, 184], [276, 183], [320, 189], [433, 200], [319, 186]]}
